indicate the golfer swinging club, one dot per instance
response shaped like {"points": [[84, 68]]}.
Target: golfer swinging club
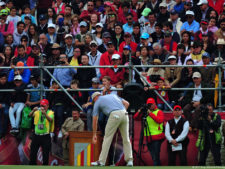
{"points": [[114, 107]]}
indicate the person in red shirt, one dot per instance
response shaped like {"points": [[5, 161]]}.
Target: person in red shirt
{"points": [[127, 41], [86, 14], [217, 5], [124, 10], [154, 136], [116, 74], [106, 58], [168, 44]]}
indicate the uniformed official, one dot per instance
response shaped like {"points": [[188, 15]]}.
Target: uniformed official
{"points": [[73, 123]]}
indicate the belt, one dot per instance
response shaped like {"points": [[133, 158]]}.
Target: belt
{"points": [[41, 134], [120, 110]]}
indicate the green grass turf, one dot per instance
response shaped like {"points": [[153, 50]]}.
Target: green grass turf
{"points": [[107, 167]]}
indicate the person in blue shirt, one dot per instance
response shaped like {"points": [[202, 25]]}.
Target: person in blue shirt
{"points": [[190, 25], [128, 27], [25, 73]]}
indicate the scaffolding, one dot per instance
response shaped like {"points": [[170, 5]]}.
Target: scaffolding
{"points": [[131, 68]]}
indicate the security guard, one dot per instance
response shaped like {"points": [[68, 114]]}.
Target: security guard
{"points": [[44, 124]]}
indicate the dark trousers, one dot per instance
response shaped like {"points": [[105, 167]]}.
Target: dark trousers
{"points": [[154, 149], [172, 156], [4, 116], [193, 120], [215, 149], [59, 115], [43, 141]]}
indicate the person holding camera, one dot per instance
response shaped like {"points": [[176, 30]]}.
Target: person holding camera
{"points": [[154, 130], [176, 134], [209, 137], [44, 124], [64, 75]]}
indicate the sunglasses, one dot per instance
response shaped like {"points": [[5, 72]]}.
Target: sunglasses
{"points": [[189, 16], [129, 19], [111, 15], [93, 46], [163, 8], [23, 40]]}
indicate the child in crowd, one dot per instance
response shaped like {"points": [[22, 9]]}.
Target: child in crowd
{"points": [[88, 107], [160, 86], [13, 17]]}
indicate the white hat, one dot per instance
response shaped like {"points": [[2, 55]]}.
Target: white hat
{"points": [[51, 25], [216, 60], [172, 57], [94, 42], [18, 77], [115, 56], [99, 24], [162, 4], [2, 3], [220, 41], [202, 2], [68, 36], [196, 75], [190, 13], [95, 94]]}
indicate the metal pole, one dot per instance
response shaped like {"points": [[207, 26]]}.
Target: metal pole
{"points": [[41, 64], [153, 90], [74, 101], [130, 68], [220, 84]]}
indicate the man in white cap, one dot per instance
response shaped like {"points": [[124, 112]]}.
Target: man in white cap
{"points": [[190, 25], [203, 10], [94, 56], [51, 35], [116, 74], [69, 46], [114, 107], [194, 99]]}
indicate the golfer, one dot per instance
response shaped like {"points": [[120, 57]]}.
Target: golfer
{"points": [[114, 107]]}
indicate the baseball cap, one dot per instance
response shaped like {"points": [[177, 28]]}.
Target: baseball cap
{"points": [[127, 47], [51, 25], [173, 12], [99, 24], [177, 107], [2, 4], [196, 75], [18, 77], [162, 4], [93, 42], [110, 43], [220, 41], [83, 23], [106, 35], [150, 101], [201, 2], [68, 36], [20, 64], [204, 21], [95, 80], [146, 11], [95, 94], [4, 12], [144, 35], [28, 16], [206, 55], [172, 57], [115, 56], [42, 17], [190, 13], [44, 102]]}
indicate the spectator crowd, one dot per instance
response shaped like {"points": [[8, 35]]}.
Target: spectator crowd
{"points": [[100, 33]]}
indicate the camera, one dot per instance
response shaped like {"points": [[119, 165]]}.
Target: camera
{"points": [[144, 110], [204, 112]]}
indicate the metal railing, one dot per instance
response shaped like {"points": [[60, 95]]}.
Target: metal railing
{"points": [[131, 67]]}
